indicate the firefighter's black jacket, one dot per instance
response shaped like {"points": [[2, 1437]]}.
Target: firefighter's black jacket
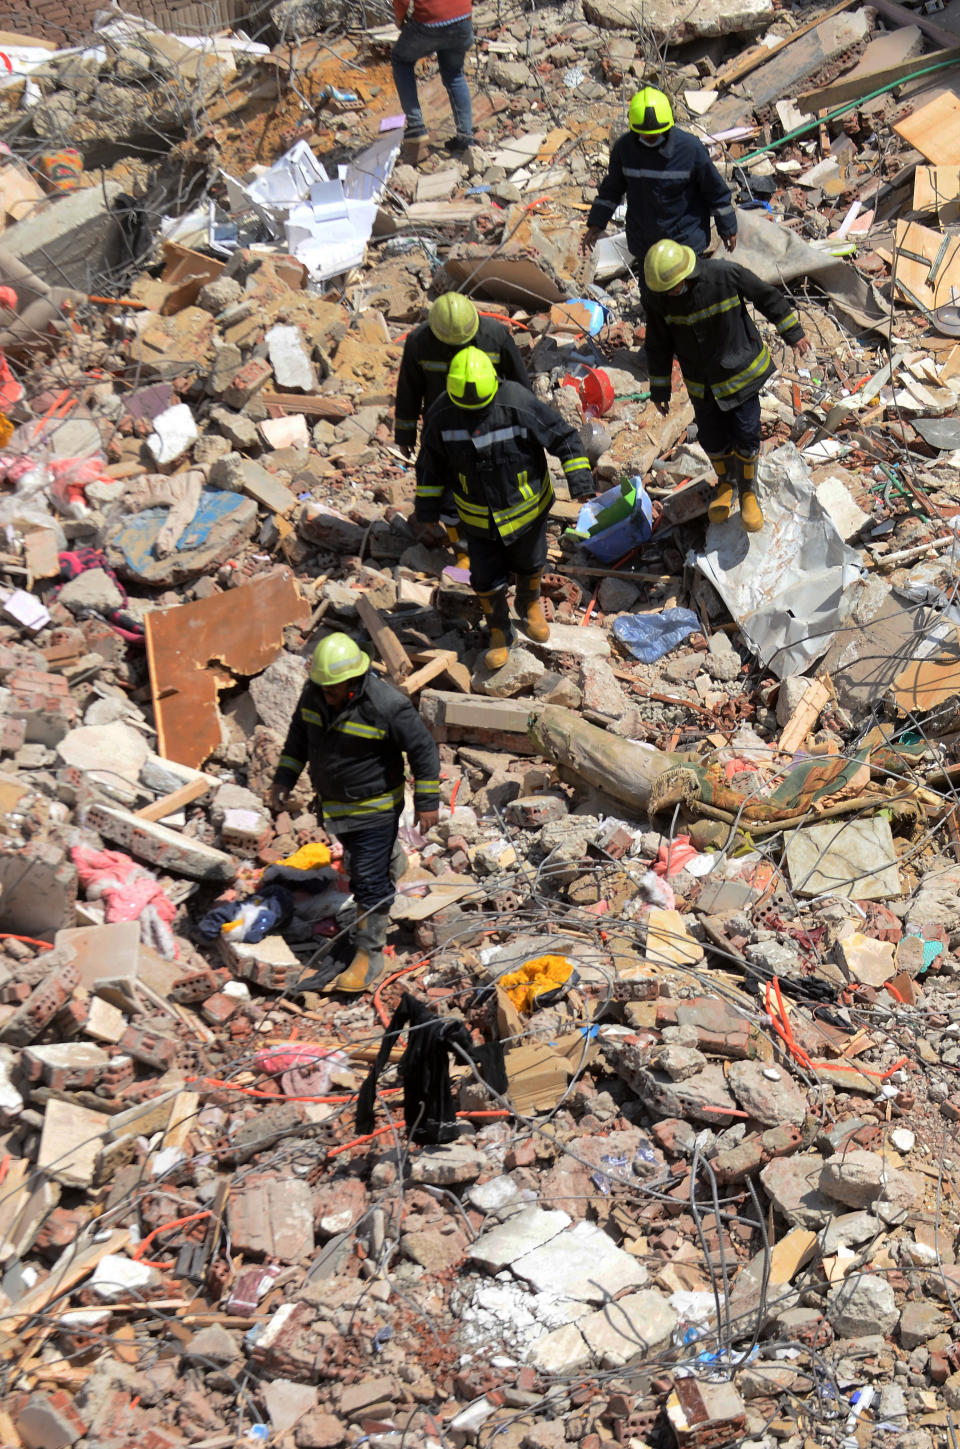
{"points": [[671, 189], [426, 362], [355, 755], [710, 332], [495, 460]]}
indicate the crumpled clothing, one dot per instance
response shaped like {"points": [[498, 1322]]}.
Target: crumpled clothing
{"points": [[131, 893], [248, 920], [79, 561], [308, 857], [674, 855], [429, 1113], [304, 1068], [540, 982], [181, 492]]}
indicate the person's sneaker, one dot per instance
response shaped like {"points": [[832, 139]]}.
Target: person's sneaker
{"points": [[420, 134], [458, 144]]}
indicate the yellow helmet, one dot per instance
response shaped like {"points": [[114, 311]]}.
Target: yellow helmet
{"points": [[472, 380], [666, 264], [650, 112], [454, 319], [337, 658]]}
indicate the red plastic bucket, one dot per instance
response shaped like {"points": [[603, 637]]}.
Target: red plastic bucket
{"points": [[596, 392]]}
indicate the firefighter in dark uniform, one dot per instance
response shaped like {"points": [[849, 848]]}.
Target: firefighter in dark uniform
{"points": [[671, 185], [452, 323], [698, 314], [493, 437], [352, 730]]}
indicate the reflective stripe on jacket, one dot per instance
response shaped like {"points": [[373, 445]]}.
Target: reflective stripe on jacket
{"points": [[671, 189], [712, 335], [426, 362], [496, 460], [356, 757]]}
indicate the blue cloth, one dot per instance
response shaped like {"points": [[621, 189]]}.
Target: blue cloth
{"points": [[138, 536], [449, 43]]}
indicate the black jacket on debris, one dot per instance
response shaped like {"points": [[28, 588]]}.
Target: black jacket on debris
{"points": [[672, 190], [356, 756], [712, 335], [425, 364], [494, 458], [429, 1113]]}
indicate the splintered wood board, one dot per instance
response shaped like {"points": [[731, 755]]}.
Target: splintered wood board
{"points": [[937, 188], [934, 130], [912, 277]]}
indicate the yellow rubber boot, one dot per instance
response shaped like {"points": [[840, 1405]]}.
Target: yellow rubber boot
{"points": [[367, 967], [461, 557], [751, 514], [720, 504], [530, 607], [495, 612]]}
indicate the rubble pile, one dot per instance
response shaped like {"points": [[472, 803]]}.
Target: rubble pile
{"points": [[683, 947]]}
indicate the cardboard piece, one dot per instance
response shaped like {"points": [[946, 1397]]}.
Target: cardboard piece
{"points": [[537, 1076], [934, 129], [927, 265]]}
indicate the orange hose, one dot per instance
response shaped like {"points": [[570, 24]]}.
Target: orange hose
{"points": [[30, 941], [141, 1247], [784, 1031]]}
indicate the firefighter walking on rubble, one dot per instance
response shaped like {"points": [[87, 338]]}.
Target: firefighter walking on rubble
{"points": [[492, 438], [453, 323], [671, 185], [352, 730], [698, 314]]}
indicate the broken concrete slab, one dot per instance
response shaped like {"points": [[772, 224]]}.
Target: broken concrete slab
{"points": [[630, 1328], [161, 846], [518, 1235], [582, 1263]]}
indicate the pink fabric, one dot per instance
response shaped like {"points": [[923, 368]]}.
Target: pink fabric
{"points": [[673, 857], [131, 893]]}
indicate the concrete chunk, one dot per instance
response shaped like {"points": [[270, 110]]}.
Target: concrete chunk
{"points": [[149, 841], [521, 1233], [632, 1327], [583, 1263]]}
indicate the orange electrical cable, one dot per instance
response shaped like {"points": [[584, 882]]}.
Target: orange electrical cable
{"points": [[784, 1031], [141, 1247], [30, 940]]}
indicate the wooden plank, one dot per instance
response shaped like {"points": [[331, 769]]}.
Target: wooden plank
{"points": [[853, 89], [390, 649], [937, 189], [70, 1268], [729, 74], [431, 670], [920, 253], [169, 804], [312, 405], [934, 130], [804, 717]]}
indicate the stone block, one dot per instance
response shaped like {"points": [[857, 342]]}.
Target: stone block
{"points": [[273, 1217]]}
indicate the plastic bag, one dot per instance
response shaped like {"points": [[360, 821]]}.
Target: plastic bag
{"points": [[596, 440], [650, 636]]}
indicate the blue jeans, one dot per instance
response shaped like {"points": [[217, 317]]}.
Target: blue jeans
{"points": [[374, 860], [449, 43]]}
